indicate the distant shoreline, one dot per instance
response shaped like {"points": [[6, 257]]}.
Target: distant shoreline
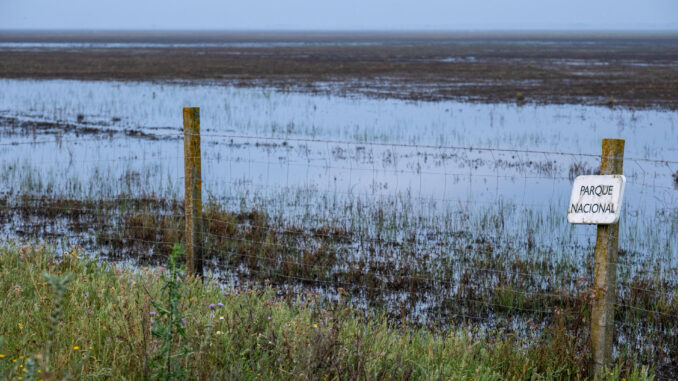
{"points": [[105, 35], [637, 70]]}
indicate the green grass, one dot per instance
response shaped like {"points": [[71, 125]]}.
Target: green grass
{"points": [[69, 317]]}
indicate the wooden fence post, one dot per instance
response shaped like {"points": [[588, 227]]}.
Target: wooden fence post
{"points": [[193, 188], [605, 271]]}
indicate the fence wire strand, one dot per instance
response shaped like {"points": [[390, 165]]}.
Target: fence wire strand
{"points": [[463, 276]]}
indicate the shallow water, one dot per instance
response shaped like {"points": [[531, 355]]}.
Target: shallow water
{"points": [[266, 112], [292, 152], [66, 46], [462, 129], [470, 200]]}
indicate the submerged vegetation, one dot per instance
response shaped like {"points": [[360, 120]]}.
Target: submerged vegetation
{"points": [[114, 323], [465, 268]]}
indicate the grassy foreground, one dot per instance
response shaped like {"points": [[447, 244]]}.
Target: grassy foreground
{"points": [[69, 317]]}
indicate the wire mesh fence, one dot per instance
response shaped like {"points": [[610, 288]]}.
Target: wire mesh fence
{"points": [[432, 235]]}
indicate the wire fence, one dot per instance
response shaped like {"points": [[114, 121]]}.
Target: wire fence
{"points": [[435, 235]]}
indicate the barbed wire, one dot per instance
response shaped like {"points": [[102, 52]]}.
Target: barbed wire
{"points": [[536, 291], [111, 134], [427, 146]]}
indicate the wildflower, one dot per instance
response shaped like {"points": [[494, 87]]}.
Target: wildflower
{"points": [[220, 304], [75, 348], [211, 306], [2, 356], [221, 318], [21, 326], [183, 321], [24, 248], [85, 294], [315, 325], [152, 313], [278, 359], [269, 318], [219, 333]]}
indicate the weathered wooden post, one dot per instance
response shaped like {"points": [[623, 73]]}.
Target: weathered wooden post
{"points": [[193, 189], [597, 200], [605, 270]]}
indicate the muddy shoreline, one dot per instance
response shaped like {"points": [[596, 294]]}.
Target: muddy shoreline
{"points": [[638, 71]]}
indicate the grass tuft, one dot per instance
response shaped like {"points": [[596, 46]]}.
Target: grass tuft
{"points": [[96, 320]]}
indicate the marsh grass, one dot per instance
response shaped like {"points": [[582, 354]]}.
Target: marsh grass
{"points": [[241, 333], [499, 280], [170, 324]]}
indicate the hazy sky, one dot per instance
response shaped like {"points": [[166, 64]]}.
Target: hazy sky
{"points": [[339, 14]]}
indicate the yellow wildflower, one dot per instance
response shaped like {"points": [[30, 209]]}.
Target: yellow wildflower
{"points": [[75, 348]]}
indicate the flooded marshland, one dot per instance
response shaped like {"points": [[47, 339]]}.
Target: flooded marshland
{"points": [[437, 212]]}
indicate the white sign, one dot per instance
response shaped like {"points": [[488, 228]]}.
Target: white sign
{"points": [[596, 199]]}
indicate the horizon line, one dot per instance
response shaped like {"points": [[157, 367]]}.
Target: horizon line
{"points": [[350, 30]]}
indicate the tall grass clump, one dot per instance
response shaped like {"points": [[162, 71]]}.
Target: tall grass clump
{"points": [[170, 324], [91, 320]]}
